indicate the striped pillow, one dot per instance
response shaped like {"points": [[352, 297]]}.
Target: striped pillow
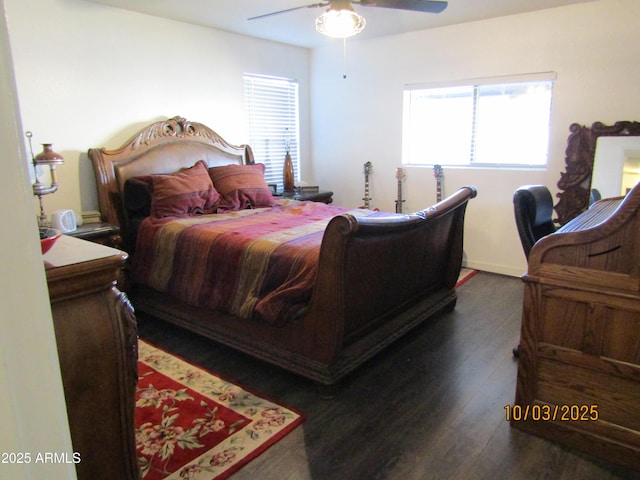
{"points": [[186, 192], [242, 186]]}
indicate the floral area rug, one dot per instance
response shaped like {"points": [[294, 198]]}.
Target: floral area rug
{"points": [[465, 274], [191, 424]]}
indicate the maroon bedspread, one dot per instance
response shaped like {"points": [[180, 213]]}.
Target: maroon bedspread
{"points": [[258, 264]]}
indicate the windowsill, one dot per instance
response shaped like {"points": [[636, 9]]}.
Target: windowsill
{"points": [[528, 168]]}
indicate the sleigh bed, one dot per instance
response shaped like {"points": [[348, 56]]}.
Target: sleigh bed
{"points": [[334, 286]]}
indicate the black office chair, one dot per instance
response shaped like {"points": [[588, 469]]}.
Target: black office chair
{"points": [[533, 208]]}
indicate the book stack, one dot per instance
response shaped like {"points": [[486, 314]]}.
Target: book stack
{"points": [[91, 216]]}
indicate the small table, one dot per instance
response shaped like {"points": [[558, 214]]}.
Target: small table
{"points": [[102, 233], [324, 197]]}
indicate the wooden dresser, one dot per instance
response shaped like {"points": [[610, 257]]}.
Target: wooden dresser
{"points": [[96, 336], [579, 366]]}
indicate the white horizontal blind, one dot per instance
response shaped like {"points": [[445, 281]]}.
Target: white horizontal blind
{"points": [[272, 106], [481, 123]]}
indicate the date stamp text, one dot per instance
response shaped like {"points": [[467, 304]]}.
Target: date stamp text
{"points": [[39, 457], [546, 413]]}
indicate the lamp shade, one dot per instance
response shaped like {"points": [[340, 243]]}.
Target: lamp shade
{"points": [[340, 23], [48, 156]]}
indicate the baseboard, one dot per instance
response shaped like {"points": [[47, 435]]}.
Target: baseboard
{"points": [[493, 268]]}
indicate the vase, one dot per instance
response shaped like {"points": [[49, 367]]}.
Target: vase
{"points": [[287, 174]]}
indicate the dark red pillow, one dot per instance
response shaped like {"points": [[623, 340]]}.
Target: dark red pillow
{"points": [[187, 192], [242, 186]]}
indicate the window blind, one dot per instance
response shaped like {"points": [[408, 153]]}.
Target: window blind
{"points": [[272, 106]]}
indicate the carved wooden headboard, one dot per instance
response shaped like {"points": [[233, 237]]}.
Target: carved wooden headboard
{"points": [[162, 147]]}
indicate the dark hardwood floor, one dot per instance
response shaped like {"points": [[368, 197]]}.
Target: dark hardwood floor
{"points": [[431, 406]]}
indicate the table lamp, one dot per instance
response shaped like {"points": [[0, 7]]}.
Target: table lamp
{"points": [[50, 158]]}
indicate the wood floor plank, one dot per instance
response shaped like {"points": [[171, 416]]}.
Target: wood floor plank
{"points": [[431, 406]]}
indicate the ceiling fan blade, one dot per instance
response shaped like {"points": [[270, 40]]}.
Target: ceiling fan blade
{"points": [[427, 6], [313, 5]]}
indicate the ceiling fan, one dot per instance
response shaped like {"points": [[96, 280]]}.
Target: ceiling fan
{"points": [[342, 21]]}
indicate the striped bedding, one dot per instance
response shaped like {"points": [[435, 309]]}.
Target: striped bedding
{"points": [[257, 264]]}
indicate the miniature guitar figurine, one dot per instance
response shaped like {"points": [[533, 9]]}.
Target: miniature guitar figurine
{"points": [[437, 172], [367, 172], [400, 176]]}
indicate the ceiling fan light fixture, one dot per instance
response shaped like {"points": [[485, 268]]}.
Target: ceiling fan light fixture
{"points": [[340, 23]]}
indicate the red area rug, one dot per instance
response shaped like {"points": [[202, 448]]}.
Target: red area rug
{"points": [[465, 274], [191, 424]]}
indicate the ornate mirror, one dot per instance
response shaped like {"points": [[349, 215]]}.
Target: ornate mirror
{"points": [[575, 181]]}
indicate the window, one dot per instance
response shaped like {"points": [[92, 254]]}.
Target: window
{"points": [[492, 122], [272, 106]]}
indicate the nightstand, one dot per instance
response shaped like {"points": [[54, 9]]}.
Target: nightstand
{"points": [[324, 197], [102, 233]]}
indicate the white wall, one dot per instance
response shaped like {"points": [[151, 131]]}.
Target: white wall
{"points": [[32, 409], [593, 47], [90, 75]]}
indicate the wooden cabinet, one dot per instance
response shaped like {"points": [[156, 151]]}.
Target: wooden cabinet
{"points": [[96, 336], [579, 364]]}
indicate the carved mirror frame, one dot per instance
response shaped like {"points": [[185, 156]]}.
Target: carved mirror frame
{"points": [[575, 181]]}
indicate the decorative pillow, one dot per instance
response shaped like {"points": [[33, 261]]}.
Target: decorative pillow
{"points": [[137, 195], [186, 192], [137, 204], [242, 186]]}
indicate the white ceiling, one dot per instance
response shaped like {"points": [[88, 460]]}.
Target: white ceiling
{"points": [[298, 27]]}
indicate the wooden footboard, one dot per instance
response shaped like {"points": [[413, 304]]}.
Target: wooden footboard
{"points": [[380, 276]]}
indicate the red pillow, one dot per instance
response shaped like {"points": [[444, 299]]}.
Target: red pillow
{"points": [[242, 186], [187, 192]]}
